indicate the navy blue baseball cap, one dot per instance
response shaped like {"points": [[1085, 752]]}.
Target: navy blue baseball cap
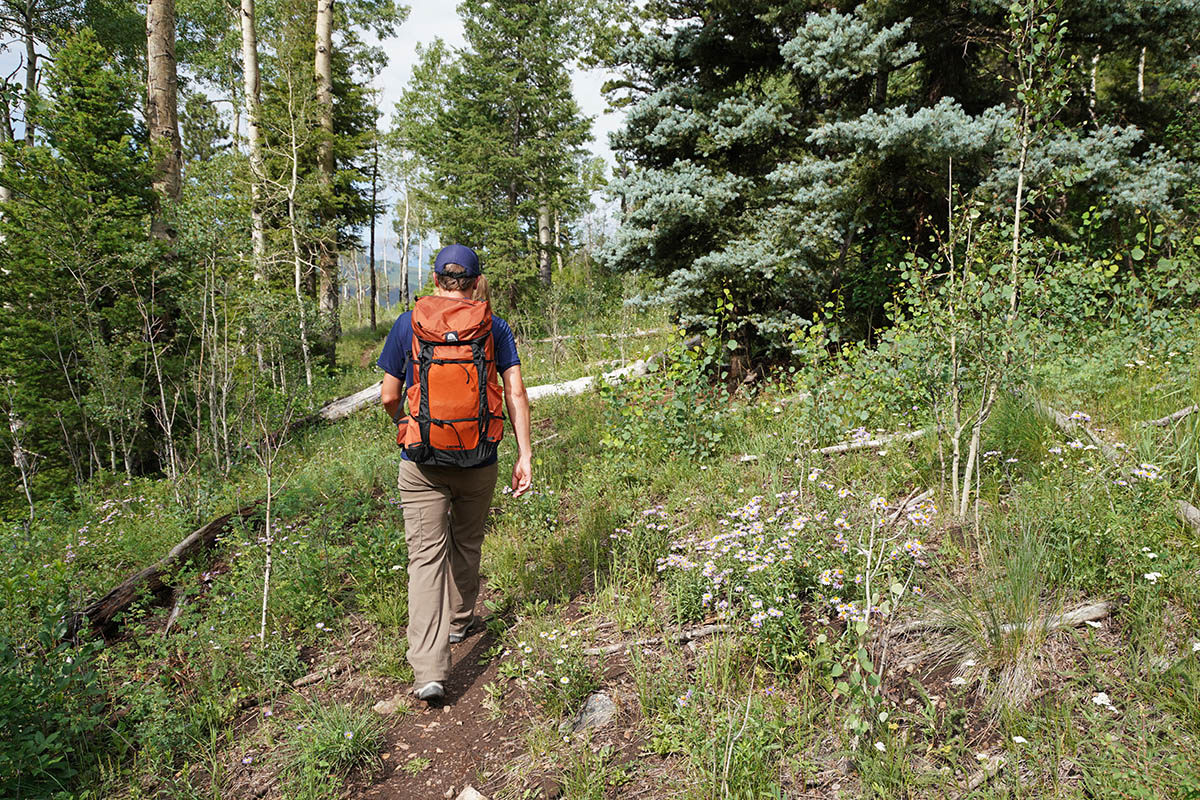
{"points": [[459, 254]]}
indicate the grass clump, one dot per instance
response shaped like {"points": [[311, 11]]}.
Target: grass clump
{"points": [[997, 622], [328, 743]]}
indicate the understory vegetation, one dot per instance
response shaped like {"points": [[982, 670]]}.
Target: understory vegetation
{"points": [[869, 638]]}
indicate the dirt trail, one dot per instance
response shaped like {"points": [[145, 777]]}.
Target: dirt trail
{"points": [[460, 738]]}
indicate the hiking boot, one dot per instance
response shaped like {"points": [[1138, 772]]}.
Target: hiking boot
{"points": [[473, 627], [430, 692]]}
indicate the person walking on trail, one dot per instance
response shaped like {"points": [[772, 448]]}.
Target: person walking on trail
{"points": [[447, 353]]}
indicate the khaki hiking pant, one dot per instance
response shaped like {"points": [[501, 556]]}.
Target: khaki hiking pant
{"points": [[445, 509]]}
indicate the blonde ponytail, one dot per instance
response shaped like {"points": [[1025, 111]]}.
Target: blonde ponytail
{"points": [[481, 290]]}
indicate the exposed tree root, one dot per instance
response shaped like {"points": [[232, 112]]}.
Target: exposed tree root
{"points": [[679, 636]]}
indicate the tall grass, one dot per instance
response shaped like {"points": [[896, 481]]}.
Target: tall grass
{"points": [[997, 621]]}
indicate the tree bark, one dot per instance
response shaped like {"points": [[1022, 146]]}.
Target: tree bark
{"points": [[328, 298], [31, 64], [374, 213], [404, 258], [162, 114], [250, 79]]}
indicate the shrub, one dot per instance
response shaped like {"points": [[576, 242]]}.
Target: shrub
{"points": [[49, 708]]}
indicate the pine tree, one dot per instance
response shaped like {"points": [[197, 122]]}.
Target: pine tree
{"points": [[499, 135], [78, 269], [787, 153]]}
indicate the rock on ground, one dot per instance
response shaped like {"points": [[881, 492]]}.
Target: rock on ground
{"points": [[597, 711]]}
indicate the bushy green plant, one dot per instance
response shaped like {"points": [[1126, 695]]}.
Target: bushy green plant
{"points": [[673, 411], [329, 742], [820, 550], [50, 709], [551, 664]]}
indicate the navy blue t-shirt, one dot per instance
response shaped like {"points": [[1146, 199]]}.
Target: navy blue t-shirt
{"points": [[396, 358]]}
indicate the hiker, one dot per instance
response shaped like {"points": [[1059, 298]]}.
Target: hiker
{"points": [[448, 459]]}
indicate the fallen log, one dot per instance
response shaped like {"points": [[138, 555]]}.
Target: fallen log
{"points": [[1093, 612], [1068, 425], [866, 444], [345, 406], [634, 334], [1162, 422], [581, 385], [99, 614], [679, 636]]}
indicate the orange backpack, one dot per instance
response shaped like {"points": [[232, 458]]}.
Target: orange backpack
{"points": [[455, 408]]}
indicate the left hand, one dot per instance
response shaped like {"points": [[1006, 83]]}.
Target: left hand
{"points": [[522, 476]]}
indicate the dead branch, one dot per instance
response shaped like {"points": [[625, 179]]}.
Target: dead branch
{"points": [[911, 501], [679, 636], [174, 615], [320, 675], [100, 613], [866, 444], [1162, 422], [983, 774]]}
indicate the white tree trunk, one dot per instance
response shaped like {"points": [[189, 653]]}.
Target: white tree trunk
{"points": [[328, 299], [404, 279], [250, 78], [544, 245]]}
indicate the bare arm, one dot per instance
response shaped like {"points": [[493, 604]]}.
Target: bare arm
{"points": [[517, 403], [389, 395]]}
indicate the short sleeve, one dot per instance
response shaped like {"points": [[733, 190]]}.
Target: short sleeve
{"points": [[506, 345], [394, 357]]}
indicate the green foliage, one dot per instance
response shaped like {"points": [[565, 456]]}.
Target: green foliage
{"points": [[330, 741], [50, 704], [783, 152], [674, 411], [496, 137], [550, 664], [82, 278]]}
